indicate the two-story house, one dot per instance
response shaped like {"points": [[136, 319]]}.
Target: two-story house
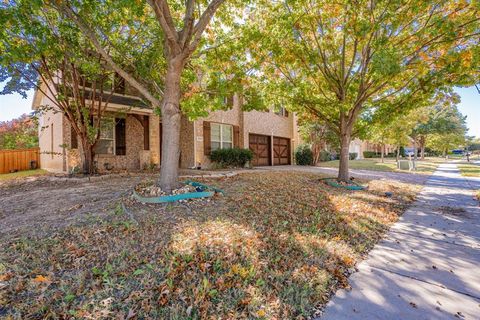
{"points": [[131, 136]]}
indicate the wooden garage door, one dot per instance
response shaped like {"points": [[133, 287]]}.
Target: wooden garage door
{"points": [[260, 145], [281, 151]]}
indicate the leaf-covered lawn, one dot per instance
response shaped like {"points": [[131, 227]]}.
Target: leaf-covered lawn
{"points": [[275, 247], [469, 170], [22, 174], [427, 166]]}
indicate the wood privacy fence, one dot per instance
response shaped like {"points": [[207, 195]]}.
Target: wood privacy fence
{"points": [[17, 160]]}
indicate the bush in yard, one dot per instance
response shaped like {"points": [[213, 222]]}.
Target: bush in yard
{"points": [[369, 154], [304, 155], [234, 157], [352, 155], [325, 156]]}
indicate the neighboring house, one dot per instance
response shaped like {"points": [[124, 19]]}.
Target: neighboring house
{"points": [[359, 147], [131, 136]]}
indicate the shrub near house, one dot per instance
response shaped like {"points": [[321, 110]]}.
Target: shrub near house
{"points": [[231, 157], [304, 156]]}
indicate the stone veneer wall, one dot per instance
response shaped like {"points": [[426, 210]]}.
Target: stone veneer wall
{"points": [[154, 139], [130, 161], [187, 153], [72, 156], [134, 144], [191, 140]]}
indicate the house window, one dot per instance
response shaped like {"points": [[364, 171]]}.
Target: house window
{"points": [[118, 84], [221, 136], [281, 111], [227, 101], [106, 141]]}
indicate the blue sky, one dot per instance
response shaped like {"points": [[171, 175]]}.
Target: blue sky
{"points": [[12, 106]]}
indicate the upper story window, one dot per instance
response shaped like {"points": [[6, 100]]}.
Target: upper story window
{"points": [[221, 136], [112, 82], [281, 111], [118, 84], [228, 100]]}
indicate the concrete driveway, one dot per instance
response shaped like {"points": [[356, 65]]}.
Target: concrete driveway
{"points": [[428, 266]]}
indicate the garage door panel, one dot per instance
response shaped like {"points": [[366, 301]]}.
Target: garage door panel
{"points": [[263, 151], [281, 151], [260, 146]]}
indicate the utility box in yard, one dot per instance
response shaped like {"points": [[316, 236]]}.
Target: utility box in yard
{"points": [[405, 165]]}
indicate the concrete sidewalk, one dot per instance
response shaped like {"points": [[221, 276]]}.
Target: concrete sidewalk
{"points": [[428, 266]]}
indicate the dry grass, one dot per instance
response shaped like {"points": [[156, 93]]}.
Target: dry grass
{"points": [[427, 166], [22, 174], [275, 247], [469, 170]]}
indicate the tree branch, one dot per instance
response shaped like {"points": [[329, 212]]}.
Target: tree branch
{"points": [[188, 23], [90, 34], [203, 22], [164, 17]]}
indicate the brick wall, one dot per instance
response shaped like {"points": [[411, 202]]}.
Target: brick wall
{"points": [[130, 161], [187, 153]]}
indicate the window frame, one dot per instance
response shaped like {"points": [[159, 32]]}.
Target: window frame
{"points": [[282, 112], [113, 153], [221, 141]]}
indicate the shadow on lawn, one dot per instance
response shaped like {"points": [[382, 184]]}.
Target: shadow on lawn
{"points": [[276, 246]]}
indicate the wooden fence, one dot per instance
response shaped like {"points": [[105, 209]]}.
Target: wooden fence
{"points": [[17, 160]]}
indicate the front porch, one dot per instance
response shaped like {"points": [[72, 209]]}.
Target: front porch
{"points": [[128, 142]]}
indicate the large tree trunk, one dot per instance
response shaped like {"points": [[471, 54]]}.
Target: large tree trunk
{"points": [[87, 157], [316, 153], [422, 148], [382, 146], [345, 137], [415, 149], [398, 153], [415, 152], [171, 122]]}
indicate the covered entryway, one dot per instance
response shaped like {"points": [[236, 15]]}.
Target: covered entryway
{"points": [[281, 151], [260, 145]]}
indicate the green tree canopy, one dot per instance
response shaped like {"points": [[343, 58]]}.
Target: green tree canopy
{"points": [[171, 52], [20, 133], [41, 50], [338, 60]]}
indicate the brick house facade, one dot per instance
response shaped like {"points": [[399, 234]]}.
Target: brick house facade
{"points": [[131, 136]]}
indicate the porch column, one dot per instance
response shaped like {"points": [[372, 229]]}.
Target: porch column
{"points": [[154, 139]]}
